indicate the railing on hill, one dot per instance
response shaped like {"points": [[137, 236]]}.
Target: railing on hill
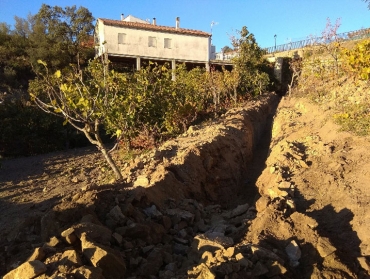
{"points": [[347, 36]]}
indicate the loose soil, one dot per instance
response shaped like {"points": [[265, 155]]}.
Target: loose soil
{"points": [[305, 180]]}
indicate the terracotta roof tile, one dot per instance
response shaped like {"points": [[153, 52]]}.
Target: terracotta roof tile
{"points": [[137, 25]]}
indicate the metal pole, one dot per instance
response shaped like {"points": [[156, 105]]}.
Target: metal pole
{"points": [[275, 41]]}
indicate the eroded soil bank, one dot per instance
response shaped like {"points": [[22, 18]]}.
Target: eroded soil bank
{"points": [[189, 209]]}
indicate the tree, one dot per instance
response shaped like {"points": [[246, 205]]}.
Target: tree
{"points": [[61, 36], [86, 99], [248, 63], [227, 49]]}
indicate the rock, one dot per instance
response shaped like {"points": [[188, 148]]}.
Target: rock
{"points": [[87, 272], [112, 265], [53, 242], [201, 226], [153, 263], [137, 230], [275, 268], [324, 247], [171, 266], [299, 218], [180, 249], [259, 269], [142, 181], [146, 249], [243, 261], [364, 263], [262, 203], [166, 221], [181, 214], [201, 272], [294, 253], [116, 214], [153, 212], [69, 236], [29, 269], [207, 258], [71, 258], [94, 232], [265, 254], [229, 252], [49, 225], [38, 254], [118, 238], [239, 210], [211, 242]]}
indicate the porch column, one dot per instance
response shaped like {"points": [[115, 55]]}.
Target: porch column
{"points": [[173, 67], [207, 67], [138, 63]]}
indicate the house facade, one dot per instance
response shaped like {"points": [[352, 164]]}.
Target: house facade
{"points": [[135, 41]]}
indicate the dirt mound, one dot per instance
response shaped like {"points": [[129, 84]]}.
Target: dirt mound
{"points": [[189, 209]]}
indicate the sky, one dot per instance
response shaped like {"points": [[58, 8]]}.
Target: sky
{"points": [[289, 20]]}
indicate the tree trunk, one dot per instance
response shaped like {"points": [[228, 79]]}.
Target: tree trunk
{"points": [[99, 143], [111, 163]]}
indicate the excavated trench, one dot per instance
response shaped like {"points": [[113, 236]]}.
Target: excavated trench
{"points": [[185, 211]]}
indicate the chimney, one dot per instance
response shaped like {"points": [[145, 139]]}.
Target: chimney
{"points": [[177, 23], [122, 17], [154, 21]]}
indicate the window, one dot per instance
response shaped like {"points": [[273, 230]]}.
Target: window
{"points": [[167, 43], [152, 41], [121, 38]]}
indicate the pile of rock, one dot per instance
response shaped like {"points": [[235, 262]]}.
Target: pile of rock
{"points": [[136, 239]]}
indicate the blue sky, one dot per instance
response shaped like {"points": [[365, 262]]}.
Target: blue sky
{"points": [[288, 19]]}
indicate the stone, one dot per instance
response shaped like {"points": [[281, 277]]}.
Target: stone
{"points": [[180, 249], [87, 272], [118, 238], [53, 242], [239, 210], [299, 218], [207, 258], [137, 230], [262, 203], [259, 269], [153, 212], [201, 272], [142, 181], [294, 253], [166, 222], [211, 242], [116, 214], [324, 247], [229, 252], [275, 268], [182, 214], [201, 226], [364, 263], [153, 263], [38, 254], [96, 233], [69, 236], [171, 266], [264, 254], [112, 265], [29, 269], [244, 262], [71, 258]]}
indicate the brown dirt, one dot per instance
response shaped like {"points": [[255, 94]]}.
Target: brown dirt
{"points": [[312, 180]]}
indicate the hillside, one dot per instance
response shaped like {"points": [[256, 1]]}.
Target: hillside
{"points": [[268, 191]]}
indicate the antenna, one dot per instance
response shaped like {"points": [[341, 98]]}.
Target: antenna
{"points": [[213, 23]]}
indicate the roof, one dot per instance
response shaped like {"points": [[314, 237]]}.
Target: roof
{"points": [[151, 27]]}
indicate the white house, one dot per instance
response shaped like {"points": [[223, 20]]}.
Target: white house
{"points": [[133, 40]]}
